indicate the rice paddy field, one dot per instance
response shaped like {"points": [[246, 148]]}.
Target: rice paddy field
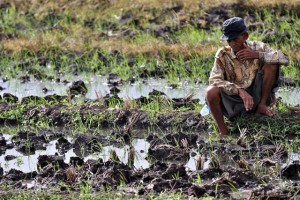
{"points": [[101, 99]]}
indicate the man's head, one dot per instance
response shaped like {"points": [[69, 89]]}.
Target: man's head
{"points": [[233, 28], [235, 32]]}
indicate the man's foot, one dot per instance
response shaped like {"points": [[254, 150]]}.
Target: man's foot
{"points": [[223, 131], [265, 110]]}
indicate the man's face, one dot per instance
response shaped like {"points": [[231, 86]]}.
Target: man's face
{"points": [[237, 43]]}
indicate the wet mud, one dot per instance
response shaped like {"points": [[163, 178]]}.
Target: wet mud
{"points": [[254, 168]]}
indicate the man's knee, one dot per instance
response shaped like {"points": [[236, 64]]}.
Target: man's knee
{"points": [[212, 93]]}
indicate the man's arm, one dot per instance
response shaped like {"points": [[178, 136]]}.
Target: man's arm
{"points": [[264, 53], [271, 56], [217, 78]]}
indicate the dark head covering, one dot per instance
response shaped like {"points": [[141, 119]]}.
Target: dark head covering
{"points": [[233, 28]]}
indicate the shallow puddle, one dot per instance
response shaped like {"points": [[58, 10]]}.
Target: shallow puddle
{"points": [[292, 157], [192, 163], [98, 84], [28, 163]]}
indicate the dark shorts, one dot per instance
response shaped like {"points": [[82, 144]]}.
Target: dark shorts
{"points": [[233, 105]]}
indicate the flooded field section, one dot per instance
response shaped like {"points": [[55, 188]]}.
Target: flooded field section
{"points": [[187, 162], [112, 148]]}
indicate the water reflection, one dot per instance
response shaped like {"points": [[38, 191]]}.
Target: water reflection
{"points": [[98, 84], [192, 163], [141, 148], [29, 163], [289, 95]]}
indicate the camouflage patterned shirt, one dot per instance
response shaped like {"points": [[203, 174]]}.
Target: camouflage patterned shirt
{"points": [[230, 73]]}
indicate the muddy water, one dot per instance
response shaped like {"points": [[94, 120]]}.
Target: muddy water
{"points": [[127, 91], [291, 158], [289, 95], [99, 84], [28, 163]]}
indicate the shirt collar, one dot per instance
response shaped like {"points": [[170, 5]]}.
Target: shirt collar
{"points": [[232, 54]]}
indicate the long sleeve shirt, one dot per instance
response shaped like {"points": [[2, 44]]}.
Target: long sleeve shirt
{"points": [[230, 73]]}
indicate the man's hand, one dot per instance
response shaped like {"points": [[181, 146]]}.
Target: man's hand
{"points": [[247, 98], [247, 53]]}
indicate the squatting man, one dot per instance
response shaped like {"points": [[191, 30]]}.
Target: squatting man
{"points": [[244, 75]]}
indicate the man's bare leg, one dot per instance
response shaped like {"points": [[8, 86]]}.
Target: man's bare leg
{"points": [[213, 99], [268, 81]]}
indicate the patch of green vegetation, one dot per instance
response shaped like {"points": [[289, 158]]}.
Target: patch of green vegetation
{"points": [[124, 42], [282, 124]]}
